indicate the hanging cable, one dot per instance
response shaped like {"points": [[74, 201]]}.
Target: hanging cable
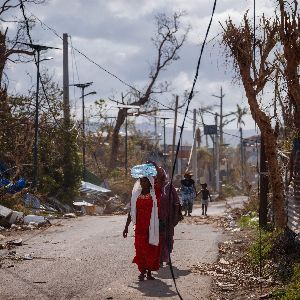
{"points": [[257, 162], [105, 69], [39, 75], [180, 137]]}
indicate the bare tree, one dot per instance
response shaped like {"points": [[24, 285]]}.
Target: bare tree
{"points": [[289, 31], [11, 41], [239, 41], [167, 41]]}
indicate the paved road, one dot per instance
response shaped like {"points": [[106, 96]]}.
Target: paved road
{"points": [[218, 208], [87, 258]]}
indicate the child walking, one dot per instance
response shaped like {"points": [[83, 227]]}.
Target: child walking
{"points": [[204, 198]]}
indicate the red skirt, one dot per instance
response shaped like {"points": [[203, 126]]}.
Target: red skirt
{"points": [[147, 256]]}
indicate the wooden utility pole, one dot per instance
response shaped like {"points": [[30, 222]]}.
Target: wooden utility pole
{"points": [[220, 141], [66, 81], [242, 157], [221, 115], [194, 161], [221, 118], [264, 187], [155, 128], [217, 157], [174, 131], [67, 167], [202, 120]]}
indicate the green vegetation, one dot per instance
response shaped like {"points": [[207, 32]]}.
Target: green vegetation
{"points": [[292, 290], [248, 221], [263, 245]]}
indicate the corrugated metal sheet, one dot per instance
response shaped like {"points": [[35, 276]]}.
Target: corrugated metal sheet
{"points": [[89, 188], [293, 198]]}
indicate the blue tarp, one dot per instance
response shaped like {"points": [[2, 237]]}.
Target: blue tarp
{"points": [[11, 187]]}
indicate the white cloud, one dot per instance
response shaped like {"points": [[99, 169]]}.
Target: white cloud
{"points": [[116, 34]]}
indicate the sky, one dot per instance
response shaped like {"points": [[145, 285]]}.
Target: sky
{"points": [[117, 35]]}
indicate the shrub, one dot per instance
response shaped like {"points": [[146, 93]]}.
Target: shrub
{"points": [[263, 245], [292, 291], [248, 221]]}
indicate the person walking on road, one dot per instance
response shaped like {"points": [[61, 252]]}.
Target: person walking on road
{"points": [[143, 214], [188, 193], [204, 198], [170, 215]]}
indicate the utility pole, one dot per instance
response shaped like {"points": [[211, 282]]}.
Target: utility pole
{"points": [[66, 81], [165, 145], [174, 131], [155, 127], [181, 148], [213, 138], [83, 86], [202, 120], [37, 49], [219, 140], [242, 157], [221, 115], [264, 187], [36, 121], [195, 169], [217, 149], [67, 163]]}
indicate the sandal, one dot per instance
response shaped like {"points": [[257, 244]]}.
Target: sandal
{"points": [[150, 277], [141, 277]]}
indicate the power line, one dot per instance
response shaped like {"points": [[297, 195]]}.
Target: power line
{"points": [[181, 131], [114, 75], [121, 80], [84, 55], [35, 59], [105, 69]]}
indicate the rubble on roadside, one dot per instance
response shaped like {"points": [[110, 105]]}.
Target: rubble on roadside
{"points": [[114, 205], [100, 205], [18, 221], [234, 277], [69, 216]]}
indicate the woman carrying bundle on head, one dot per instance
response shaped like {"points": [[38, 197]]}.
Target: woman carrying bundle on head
{"points": [[143, 214]]}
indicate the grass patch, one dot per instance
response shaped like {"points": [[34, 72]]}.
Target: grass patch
{"points": [[262, 247], [248, 221], [292, 290]]}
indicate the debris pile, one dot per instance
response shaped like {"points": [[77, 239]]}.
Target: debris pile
{"points": [[114, 205], [215, 221], [18, 220], [234, 277]]}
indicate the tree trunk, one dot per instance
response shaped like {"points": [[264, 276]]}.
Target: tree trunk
{"points": [[115, 138], [269, 138], [3, 57]]}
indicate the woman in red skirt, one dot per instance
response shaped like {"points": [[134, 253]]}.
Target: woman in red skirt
{"points": [[144, 215]]}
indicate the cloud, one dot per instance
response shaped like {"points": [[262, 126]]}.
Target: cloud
{"points": [[117, 35]]}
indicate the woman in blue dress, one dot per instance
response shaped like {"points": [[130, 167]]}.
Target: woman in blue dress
{"points": [[188, 193]]}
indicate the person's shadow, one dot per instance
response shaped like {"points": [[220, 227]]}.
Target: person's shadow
{"points": [[158, 288], [165, 272]]}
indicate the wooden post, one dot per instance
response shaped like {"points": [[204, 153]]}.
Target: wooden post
{"points": [[174, 132]]}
